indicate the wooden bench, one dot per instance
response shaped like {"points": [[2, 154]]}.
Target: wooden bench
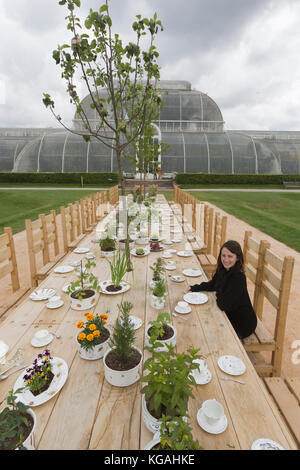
{"points": [[8, 265], [291, 184], [286, 394]]}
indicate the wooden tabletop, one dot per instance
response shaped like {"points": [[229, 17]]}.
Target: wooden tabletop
{"points": [[89, 413]]}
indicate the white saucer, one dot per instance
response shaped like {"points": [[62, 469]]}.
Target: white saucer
{"points": [[42, 294], [192, 272], [266, 444], [168, 242], [56, 306], [90, 256], [170, 268], [175, 240], [185, 254], [177, 278], [212, 429], [75, 263], [183, 312], [81, 250], [63, 269], [195, 298], [231, 365], [39, 344], [172, 250], [167, 255], [203, 377]]}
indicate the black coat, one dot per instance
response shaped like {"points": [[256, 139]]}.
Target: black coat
{"points": [[233, 298]]}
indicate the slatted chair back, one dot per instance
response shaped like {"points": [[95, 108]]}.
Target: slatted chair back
{"points": [[8, 262], [113, 195], [220, 228], [68, 228], [36, 244], [49, 226], [208, 228], [76, 218]]}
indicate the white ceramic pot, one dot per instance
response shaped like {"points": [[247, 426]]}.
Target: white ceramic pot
{"points": [[84, 304], [122, 245], [153, 442], [157, 302], [30, 442], [151, 423], [123, 378], [108, 254], [171, 340], [94, 353]]}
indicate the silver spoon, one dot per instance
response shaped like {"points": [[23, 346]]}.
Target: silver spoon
{"points": [[223, 377], [178, 316], [17, 363], [3, 377]]}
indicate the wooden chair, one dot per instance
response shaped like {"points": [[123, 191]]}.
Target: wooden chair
{"points": [[41, 237], [8, 266], [113, 195], [272, 280], [86, 210], [208, 260], [286, 394], [71, 238]]}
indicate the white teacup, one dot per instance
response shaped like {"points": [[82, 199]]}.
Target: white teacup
{"points": [[54, 300], [213, 411], [182, 305], [42, 336]]}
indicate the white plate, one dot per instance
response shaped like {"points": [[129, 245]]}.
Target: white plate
{"points": [[48, 305], [63, 269], [167, 255], [74, 263], [171, 250], [42, 294], [231, 365], [192, 272], [104, 284], [177, 278], [146, 250], [81, 250], [175, 240], [170, 268], [195, 298], [137, 322], [60, 371], [90, 256], [38, 344], [266, 444], [185, 254], [183, 312], [212, 429]]}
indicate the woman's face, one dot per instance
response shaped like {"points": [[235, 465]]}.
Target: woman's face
{"points": [[228, 259]]}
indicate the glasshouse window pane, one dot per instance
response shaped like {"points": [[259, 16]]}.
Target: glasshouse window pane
{"points": [[243, 153], [220, 155], [191, 108], [173, 158], [27, 159], [171, 109], [75, 155], [51, 153], [99, 157], [196, 155], [268, 162]]}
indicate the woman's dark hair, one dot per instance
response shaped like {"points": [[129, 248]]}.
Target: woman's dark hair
{"points": [[235, 248]]}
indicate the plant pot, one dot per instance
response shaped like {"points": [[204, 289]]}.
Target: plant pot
{"points": [[123, 378], [122, 244], [151, 423], [96, 352], [30, 441], [84, 304], [151, 444], [171, 340], [157, 302], [108, 254]]}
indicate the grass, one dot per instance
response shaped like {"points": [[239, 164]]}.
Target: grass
{"points": [[16, 206], [276, 214]]}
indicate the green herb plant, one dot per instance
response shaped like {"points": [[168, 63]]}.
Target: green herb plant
{"points": [[123, 336], [160, 288], [157, 326], [177, 435], [158, 269], [107, 244], [86, 281], [118, 268], [12, 418]]}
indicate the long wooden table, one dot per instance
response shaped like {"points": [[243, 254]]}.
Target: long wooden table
{"points": [[89, 413]]}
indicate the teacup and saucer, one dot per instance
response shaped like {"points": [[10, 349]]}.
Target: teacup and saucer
{"points": [[55, 301], [211, 417], [182, 307], [41, 338]]}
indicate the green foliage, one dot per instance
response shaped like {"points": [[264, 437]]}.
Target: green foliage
{"points": [[160, 288], [205, 178], [157, 326], [140, 251], [177, 435], [60, 178], [93, 330], [118, 267], [11, 419], [169, 383], [107, 242], [87, 280], [158, 269], [123, 336]]}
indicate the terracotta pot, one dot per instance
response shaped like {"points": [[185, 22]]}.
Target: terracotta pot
{"points": [[123, 378]]}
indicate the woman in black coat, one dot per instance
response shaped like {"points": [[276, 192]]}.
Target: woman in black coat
{"points": [[229, 282]]}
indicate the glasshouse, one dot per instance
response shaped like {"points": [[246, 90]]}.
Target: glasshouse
{"points": [[192, 125]]}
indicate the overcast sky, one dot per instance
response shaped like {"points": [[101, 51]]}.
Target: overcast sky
{"points": [[245, 54]]}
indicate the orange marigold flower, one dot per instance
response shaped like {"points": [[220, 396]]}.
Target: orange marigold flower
{"points": [[96, 333], [90, 317], [90, 337], [104, 322], [81, 336], [80, 324], [104, 316], [92, 327]]}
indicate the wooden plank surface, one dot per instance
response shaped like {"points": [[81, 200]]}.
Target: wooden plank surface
{"points": [[89, 413]]}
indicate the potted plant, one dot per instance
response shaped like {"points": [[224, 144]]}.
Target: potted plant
{"points": [[17, 424], [108, 246], [39, 377], [83, 291], [123, 363], [173, 435], [158, 269], [161, 330], [93, 337], [155, 246], [118, 269], [158, 294], [169, 384], [140, 252]]}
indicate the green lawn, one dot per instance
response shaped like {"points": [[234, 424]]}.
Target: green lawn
{"points": [[16, 206], [276, 214]]}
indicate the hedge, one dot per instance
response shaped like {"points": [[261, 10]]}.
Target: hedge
{"points": [[60, 178], [204, 178]]}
